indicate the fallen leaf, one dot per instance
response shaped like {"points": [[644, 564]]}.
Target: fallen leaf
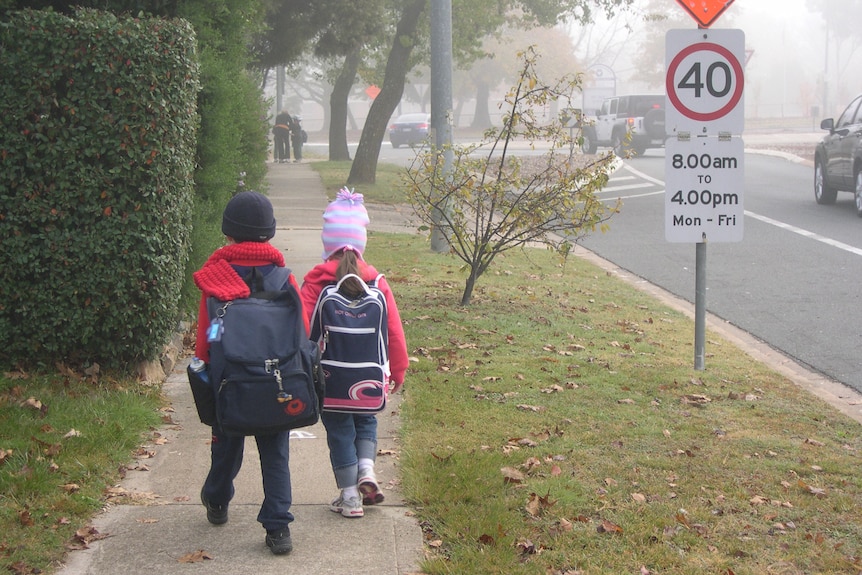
{"points": [[486, 539], [533, 408], [25, 519], [695, 399], [512, 475], [195, 557], [526, 547], [560, 526], [815, 491], [609, 527]]}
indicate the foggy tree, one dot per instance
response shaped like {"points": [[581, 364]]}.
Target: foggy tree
{"points": [[364, 166], [842, 29], [354, 28], [492, 201], [472, 20], [660, 16]]}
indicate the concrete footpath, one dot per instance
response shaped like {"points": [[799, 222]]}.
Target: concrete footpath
{"points": [[161, 527]]}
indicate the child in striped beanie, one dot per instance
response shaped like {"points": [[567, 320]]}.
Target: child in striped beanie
{"points": [[352, 437], [344, 223]]}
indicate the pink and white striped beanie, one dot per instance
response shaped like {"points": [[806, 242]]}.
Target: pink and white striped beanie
{"points": [[344, 223]]}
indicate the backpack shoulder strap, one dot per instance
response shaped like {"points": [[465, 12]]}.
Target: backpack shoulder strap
{"points": [[376, 281], [276, 279]]}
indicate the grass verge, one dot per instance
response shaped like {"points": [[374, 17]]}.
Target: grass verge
{"points": [[557, 426], [64, 439], [387, 189]]}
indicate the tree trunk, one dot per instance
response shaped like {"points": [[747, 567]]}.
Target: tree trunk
{"points": [[364, 167], [338, 107], [467, 296], [482, 117]]}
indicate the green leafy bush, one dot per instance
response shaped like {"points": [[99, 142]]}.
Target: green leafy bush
{"points": [[97, 155]]}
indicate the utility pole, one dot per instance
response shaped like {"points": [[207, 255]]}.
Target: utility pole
{"points": [[441, 104], [279, 96]]}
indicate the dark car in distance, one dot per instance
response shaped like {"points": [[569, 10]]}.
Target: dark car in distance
{"points": [[838, 157], [409, 129]]}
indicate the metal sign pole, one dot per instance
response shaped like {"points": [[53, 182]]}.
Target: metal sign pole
{"points": [[700, 305]]}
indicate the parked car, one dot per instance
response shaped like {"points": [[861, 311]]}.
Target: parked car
{"points": [[409, 129], [627, 124], [838, 157]]}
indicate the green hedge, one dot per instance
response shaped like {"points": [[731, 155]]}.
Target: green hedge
{"points": [[97, 156]]}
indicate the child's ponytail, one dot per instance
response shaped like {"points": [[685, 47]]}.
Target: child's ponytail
{"points": [[348, 263]]}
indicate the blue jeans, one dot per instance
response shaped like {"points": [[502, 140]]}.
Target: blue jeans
{"points": [[227, 452], [350, 436]]}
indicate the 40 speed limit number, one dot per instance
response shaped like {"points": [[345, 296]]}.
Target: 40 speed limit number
{"points": [[704, 190]]}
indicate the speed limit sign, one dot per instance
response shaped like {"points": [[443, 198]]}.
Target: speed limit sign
{"points": [[704, 81]]}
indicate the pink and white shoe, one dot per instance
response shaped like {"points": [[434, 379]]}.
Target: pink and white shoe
{"points": [[371, 494], [350, 507]]}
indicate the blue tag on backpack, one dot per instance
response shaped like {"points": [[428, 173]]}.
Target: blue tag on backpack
{"points": [[215, 330]]}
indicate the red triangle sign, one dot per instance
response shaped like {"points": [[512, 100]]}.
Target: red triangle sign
{"points": [[705, 11]]}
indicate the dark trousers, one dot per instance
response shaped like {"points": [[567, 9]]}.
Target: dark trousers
{"points": [[296, 139], [282, 144], [227, 452]]}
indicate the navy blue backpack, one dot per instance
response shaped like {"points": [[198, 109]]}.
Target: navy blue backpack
{"points": [[265, 372], [353, 337]]}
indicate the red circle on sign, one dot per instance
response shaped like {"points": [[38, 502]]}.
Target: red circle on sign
{"points": [[734, 98]]}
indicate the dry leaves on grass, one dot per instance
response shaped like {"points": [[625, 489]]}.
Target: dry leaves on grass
{"points": [[537, 505], [609, 527]]}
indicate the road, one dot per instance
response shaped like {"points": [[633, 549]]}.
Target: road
{"points": [[791, 282]]}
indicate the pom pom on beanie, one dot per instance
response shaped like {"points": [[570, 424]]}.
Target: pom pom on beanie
{"points": [[344, 223], [248, 217]]}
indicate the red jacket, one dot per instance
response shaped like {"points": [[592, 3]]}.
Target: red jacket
{"points": [[324, 274], [219, 277]]}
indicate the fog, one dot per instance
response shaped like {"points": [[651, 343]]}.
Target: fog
{"points": [[791, 68], [787, 56]]}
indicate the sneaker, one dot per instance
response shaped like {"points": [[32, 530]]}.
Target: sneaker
{"points": [[371, 494], [351, 507], [279, 541], [216, 514]]}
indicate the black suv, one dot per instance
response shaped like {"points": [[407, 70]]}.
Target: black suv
{"points": [[640, 116], [838, 157]]}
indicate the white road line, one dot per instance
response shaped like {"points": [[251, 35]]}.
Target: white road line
{"points": [[764, 219], [806, 233], [610, 189]]}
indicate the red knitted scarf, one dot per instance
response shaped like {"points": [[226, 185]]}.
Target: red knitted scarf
{"points": [[218, 278]]}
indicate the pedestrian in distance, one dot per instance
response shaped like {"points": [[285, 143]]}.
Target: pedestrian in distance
{"points": [[248, 224], [297, 137], [352, 437], [281, 135]]}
